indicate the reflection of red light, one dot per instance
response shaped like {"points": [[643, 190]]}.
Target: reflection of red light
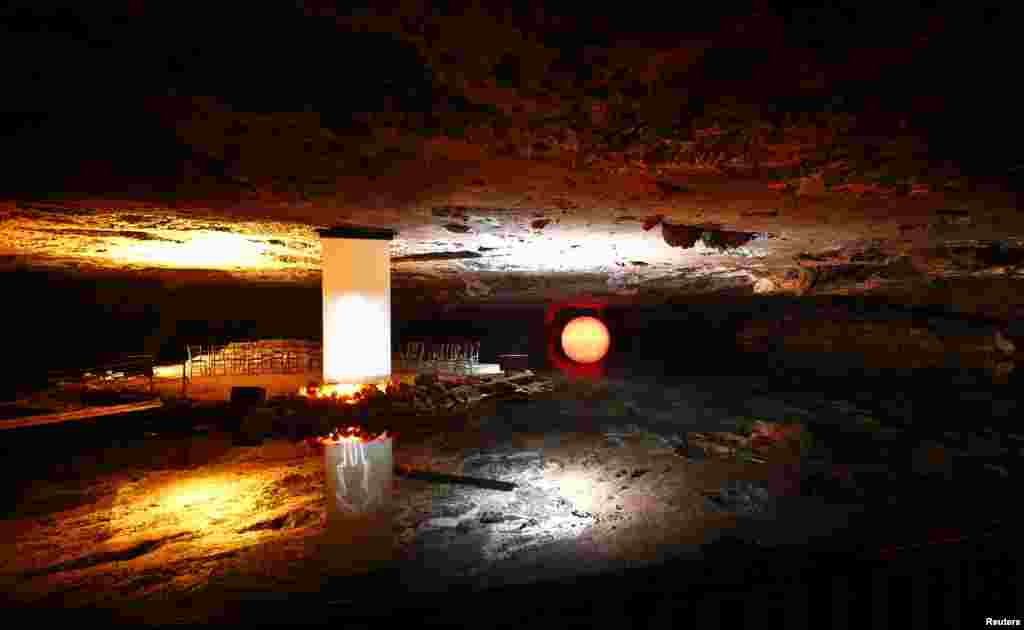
{"points": [[555, 319]]}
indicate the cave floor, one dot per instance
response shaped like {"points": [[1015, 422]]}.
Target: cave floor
{"points": [[129, 516]]}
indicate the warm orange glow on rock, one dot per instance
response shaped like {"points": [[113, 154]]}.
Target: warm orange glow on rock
{"points": [[211, 506], [200, 250], [352, 435], [585, 340], [342, 392]]}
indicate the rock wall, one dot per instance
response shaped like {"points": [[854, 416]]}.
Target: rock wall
{"points": [[882, 344]]}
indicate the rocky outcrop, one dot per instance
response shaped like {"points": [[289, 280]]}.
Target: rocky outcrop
{"points": [[686, 236], [555, 156], [884, 342]]}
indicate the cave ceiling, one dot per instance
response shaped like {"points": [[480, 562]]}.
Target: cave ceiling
{"points": [[520, 156]]}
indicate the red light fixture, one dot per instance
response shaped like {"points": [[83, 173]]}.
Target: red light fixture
{"points": [[585, 340]]}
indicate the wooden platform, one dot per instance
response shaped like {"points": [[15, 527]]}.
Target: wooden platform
{"points": [[78, 414]]}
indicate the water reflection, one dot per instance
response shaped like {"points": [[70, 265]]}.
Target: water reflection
{"points": [[360, 511]]}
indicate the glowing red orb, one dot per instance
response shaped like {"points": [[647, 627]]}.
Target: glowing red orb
{"points": [[585, 340]]}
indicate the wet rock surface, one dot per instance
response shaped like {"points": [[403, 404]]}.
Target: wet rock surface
{"points": [[505, 464], [585, 499], [743, 498]]}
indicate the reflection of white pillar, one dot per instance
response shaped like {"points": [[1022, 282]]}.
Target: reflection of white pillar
{"points": [[359, 477], [360, 515], [356, 268]]}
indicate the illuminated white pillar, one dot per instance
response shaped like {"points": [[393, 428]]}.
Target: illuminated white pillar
{"points": [[356, 267]]}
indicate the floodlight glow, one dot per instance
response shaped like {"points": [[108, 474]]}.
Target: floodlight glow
{"points": [[202, 250]]}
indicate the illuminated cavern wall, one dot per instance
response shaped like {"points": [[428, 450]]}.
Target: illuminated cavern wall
{"points": [[356, 263]]}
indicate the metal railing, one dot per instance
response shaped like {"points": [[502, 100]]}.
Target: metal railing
{"points": [[273, 356], [453, 356], [293, 356]]}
